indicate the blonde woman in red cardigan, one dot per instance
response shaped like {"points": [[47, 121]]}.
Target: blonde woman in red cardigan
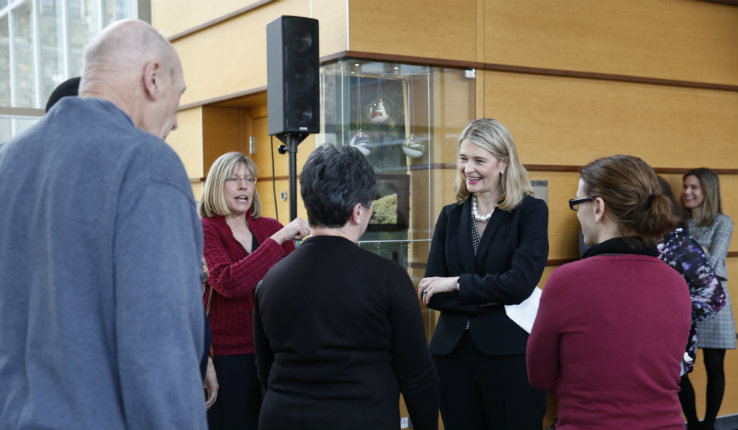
{"points": [[240, 246]]}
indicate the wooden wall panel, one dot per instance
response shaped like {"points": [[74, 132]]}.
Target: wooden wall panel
{"points": [[672, 39], [197, 190], [420, 28], [333, 22], [729, 197], [452, 101], [187, 140], [224, 130], [264, 188], [175, 16], [563, 226], [572, 121], [230, 57]]}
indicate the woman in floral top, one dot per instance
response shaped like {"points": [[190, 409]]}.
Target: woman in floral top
{"points": [[681, 252]]}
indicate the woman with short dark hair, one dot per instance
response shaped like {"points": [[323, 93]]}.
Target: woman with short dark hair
{"points": [[338, 331]]}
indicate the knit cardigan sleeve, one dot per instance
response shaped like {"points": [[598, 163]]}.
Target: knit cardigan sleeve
{"points": [[233, 272]]}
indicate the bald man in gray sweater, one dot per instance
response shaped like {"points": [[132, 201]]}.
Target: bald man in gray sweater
{"points": [[101, 321]]}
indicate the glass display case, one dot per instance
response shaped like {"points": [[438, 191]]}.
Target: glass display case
{"points": [[381, 109], [405, 119]]}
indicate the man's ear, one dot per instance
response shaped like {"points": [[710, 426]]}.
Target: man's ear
{"points": [[152, 79]]}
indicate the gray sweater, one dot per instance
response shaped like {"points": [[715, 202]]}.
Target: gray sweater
{"points": [[101, 323]]}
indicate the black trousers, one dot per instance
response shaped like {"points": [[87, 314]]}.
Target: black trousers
{"points": [[239, 395], [480, 391]]}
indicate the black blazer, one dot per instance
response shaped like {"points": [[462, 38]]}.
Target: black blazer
{"points": [[510, 260]]}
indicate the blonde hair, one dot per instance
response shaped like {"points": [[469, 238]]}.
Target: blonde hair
{"points": [[492, 136], [712, 205], [213, 198]]}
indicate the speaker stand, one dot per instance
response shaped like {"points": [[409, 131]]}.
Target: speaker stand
{"points": [[289, 144]]}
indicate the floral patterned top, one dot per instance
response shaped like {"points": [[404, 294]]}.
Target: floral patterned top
{"points": [[679, 250]]}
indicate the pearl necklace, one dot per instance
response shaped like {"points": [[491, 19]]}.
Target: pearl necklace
{"points": [[475, 214]]}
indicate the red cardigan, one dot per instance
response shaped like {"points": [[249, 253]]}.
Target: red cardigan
{"points": [[233, 274]]}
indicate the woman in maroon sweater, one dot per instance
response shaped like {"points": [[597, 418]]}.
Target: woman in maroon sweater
{"points": [[240, 246], [611, 328]]}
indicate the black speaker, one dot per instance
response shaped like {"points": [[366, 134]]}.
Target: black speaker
{"points": [[293, 84]]}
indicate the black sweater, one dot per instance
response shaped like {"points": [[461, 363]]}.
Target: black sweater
{"points": [[339, 335]]}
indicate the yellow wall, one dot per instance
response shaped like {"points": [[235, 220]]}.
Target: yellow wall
{"points": [[571, 121], [671, 39], [187, 141], [420, 28], [175, 16]]}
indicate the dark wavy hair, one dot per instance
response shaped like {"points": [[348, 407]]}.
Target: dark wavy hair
{"points": [[632, 192], [333, 180]]}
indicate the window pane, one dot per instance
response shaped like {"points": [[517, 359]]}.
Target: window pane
{"points": [[83, 25], [6, 128], [51, 46], [23, 123], [4, 63], [110, 11], [23, 44]]}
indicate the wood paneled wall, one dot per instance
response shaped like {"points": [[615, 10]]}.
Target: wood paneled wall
{"points": [[174, 17], [571, 121], [670, 39], [187, 140]]}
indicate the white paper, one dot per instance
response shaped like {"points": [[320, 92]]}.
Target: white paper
{"points": [[524, 314]]}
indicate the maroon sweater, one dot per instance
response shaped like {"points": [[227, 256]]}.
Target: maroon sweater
{"points": [[609, 340], [234, 273]]}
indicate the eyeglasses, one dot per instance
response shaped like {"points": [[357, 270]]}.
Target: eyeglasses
{"points": [[236, 179], [574, 203]]}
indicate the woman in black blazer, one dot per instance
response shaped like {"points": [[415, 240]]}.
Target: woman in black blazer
{"points": [[489, 250]]}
